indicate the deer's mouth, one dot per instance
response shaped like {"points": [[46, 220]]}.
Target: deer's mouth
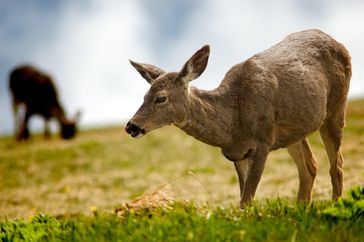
{"points": [[138, 134], [134, 130]]}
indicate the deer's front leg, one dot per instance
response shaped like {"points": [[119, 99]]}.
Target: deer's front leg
{"points": [[254, 174], [242, 168], [47, 132]]}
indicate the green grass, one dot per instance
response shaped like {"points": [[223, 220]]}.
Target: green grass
{"points": [[68, 190], [277, 220]]}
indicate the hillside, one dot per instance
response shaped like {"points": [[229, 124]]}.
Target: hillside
{"points": [[103, 168]]}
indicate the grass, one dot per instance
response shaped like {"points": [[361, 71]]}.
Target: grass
{"points": [[277, 220], [68, 190]]}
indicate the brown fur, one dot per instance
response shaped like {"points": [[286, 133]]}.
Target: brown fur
{"points": [[275, 99], [36, 93]]}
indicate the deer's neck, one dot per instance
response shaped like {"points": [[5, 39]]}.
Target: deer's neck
{"points": [[58, 112], [210, 118]]}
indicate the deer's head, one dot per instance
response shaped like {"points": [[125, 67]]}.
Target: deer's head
{"points": [[167, 100], [69, 126]]}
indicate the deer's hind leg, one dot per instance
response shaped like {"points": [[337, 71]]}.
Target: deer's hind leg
{"points": [[306, 166], [331, 134], [21, 117], [15, 116], [23, 127]]}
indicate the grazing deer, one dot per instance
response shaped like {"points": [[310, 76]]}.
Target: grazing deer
{"points": [[273, 100], [35, 92]]}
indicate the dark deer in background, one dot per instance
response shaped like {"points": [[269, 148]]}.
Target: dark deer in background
{"points": [[33, 92], [273, 100]]}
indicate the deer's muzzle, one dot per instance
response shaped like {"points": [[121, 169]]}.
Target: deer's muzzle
{"points": [[134, 130]]}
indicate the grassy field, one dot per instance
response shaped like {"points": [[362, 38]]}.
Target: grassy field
{"points": [[275, 221], [69, 189]]}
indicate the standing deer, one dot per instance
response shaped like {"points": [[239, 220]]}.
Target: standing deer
{"points": [[35, 92], [273, 100]]}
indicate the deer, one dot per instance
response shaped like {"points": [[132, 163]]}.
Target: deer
{"points": [[272, 100], [33, 92]]}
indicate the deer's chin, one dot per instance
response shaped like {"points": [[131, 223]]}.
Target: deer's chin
{"points": [[138, 134]]}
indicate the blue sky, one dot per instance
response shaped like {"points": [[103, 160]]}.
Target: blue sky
{"points": [[85, 44]]}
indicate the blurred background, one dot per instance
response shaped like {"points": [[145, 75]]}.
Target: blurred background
{"points": [[85, 44]]}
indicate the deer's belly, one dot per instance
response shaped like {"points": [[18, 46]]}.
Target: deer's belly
{"points": [[285, 135]]}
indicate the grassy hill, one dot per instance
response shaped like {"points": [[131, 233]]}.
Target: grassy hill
{"points": [[104, 168]]}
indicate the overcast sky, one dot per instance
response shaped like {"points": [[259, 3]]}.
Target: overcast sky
{"points": [[85, 44]]}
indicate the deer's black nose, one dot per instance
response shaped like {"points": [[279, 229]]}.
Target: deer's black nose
{"points": [[131, 128], [134, 130]]}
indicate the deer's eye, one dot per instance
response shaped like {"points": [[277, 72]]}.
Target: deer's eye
{"points": [[160, 99]]}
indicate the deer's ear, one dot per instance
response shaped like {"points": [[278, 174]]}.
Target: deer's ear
{"points": [[77, 116], [195, 65], [148, 72]]}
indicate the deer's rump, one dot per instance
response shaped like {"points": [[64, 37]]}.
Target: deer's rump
{"points": [[293, 86]]}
